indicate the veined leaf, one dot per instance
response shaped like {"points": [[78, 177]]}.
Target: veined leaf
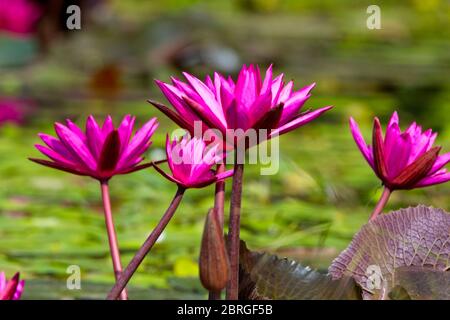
{"points": [[412, 237], [423, 283], [265, 276]]}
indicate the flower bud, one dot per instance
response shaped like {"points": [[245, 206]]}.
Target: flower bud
{"points": [[214, 264]]}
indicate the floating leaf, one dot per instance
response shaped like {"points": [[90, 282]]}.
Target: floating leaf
{"points": [[265, 276], [418, 237], [423, 283], [399, 293]]}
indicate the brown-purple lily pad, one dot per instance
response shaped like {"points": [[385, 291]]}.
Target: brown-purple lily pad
{"points": [[264, 276], [387, 249], [422, 283]]}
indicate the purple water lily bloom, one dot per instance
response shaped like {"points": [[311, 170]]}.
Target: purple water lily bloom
{"points": [[245, 112], [249, 103], [11, 111], [190, 162], [403, 160], [100, 152], [11, 289], [19, 17]]}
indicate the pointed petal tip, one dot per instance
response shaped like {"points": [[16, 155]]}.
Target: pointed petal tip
{"points": [[156, 103], [224, 175], [61, 128], [91, 120], [154, 120], [270, 68], [311, 87], [38, 146], [353, 124], [189, 76], [322, 110], [58, 125], [166, 175], [376, 122], [161, 84], [42, 162], [394, 119], [42, 135]]}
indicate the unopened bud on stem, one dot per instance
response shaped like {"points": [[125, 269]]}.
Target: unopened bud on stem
{"points": [[214, 265]]}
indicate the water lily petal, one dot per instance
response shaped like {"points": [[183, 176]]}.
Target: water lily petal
{"points": [[299, 121], [362, 145]]}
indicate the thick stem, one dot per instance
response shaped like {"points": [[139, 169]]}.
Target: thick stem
{"points": [[112, 236], [234, 229], [146, 247], [381, 203], [214, 295], [219, 202], [219, 199]]}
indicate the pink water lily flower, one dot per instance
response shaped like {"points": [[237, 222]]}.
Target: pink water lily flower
{"points": [[11, 289], [19, 17], [249, 103], [190, 162], [100, 152], [11, 111], [403, 160]]}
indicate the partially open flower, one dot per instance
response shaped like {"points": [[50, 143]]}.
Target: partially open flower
{"points": [[191, 162], [11, 289], [403, 160], [101, 152]]}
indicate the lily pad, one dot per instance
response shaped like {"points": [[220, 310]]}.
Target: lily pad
{"points": [[422, 283], [264, 276], [387, 251]]}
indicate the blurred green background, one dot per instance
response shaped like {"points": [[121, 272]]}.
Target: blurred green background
{"points": [[324, 190]]}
